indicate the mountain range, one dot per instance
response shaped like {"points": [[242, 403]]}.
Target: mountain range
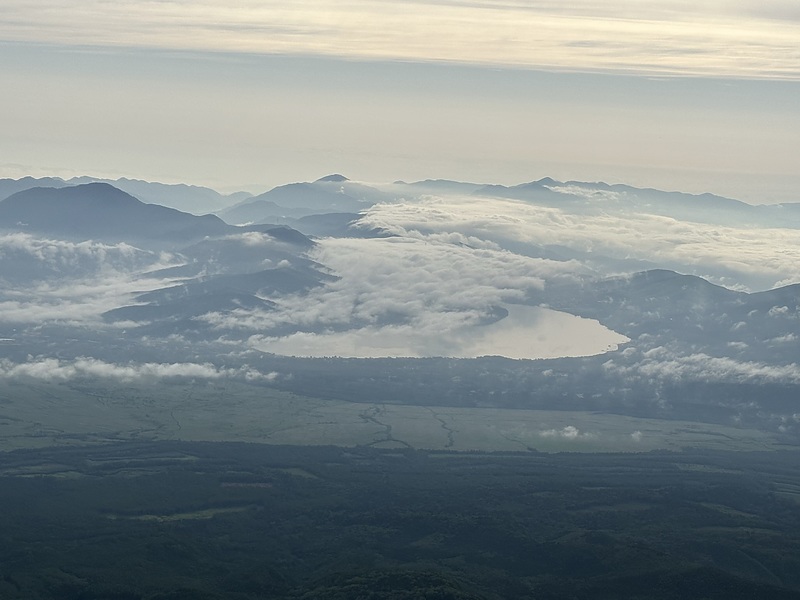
{"points": [[101, 211], [193, 199], [329, 194], [696, 289]]}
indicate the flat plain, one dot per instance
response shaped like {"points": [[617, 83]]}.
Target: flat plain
{"points": [[41, 414]]}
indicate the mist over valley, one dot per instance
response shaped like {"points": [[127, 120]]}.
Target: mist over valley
{"points": [[470, 390], [636, 293]]}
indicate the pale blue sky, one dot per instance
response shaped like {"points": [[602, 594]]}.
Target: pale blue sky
{"points": [[665, 94]]}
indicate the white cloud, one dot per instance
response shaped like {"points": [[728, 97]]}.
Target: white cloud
{"points": [[414, 281], [784, 339], [56, 280], [668, 366], [586, 193], [64, 258], [425, 291], [750, 257], [78, 302], [52, 369], [570, 432], [81, 300], [424, 295]]}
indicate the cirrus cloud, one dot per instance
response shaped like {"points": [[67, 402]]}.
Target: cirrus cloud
{"points": [[729, 38]]}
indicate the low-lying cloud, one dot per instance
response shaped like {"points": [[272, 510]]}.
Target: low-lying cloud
{"points": [[749, 258], [24, 257], [663, 364], [428, 284], [570, 432], [71, 282], [417, 294], [56, 370], [454, 262]]}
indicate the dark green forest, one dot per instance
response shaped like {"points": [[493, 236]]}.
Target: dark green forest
{"points": [[179, 520]]}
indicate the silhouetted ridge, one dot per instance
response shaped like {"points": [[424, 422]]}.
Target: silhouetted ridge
{"points": [[101, 211], [12, 186], [289, 235]]}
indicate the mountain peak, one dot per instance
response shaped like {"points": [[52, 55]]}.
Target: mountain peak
{"points": [[336, 178], [101, 211]]}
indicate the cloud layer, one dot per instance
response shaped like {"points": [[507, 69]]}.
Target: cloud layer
{"points": [[26, 256], [439, 294], [740, 38], [426, 283], [748, 258], [455, 263], [56, 280]]}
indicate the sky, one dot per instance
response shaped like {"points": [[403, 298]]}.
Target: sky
{"points": [[670, 94]]}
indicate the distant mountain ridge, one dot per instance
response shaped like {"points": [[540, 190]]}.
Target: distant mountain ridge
{"points": [[193, 199], [600, 196], [668, 307], [102, 212], [336, 193], [329, 194]]}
